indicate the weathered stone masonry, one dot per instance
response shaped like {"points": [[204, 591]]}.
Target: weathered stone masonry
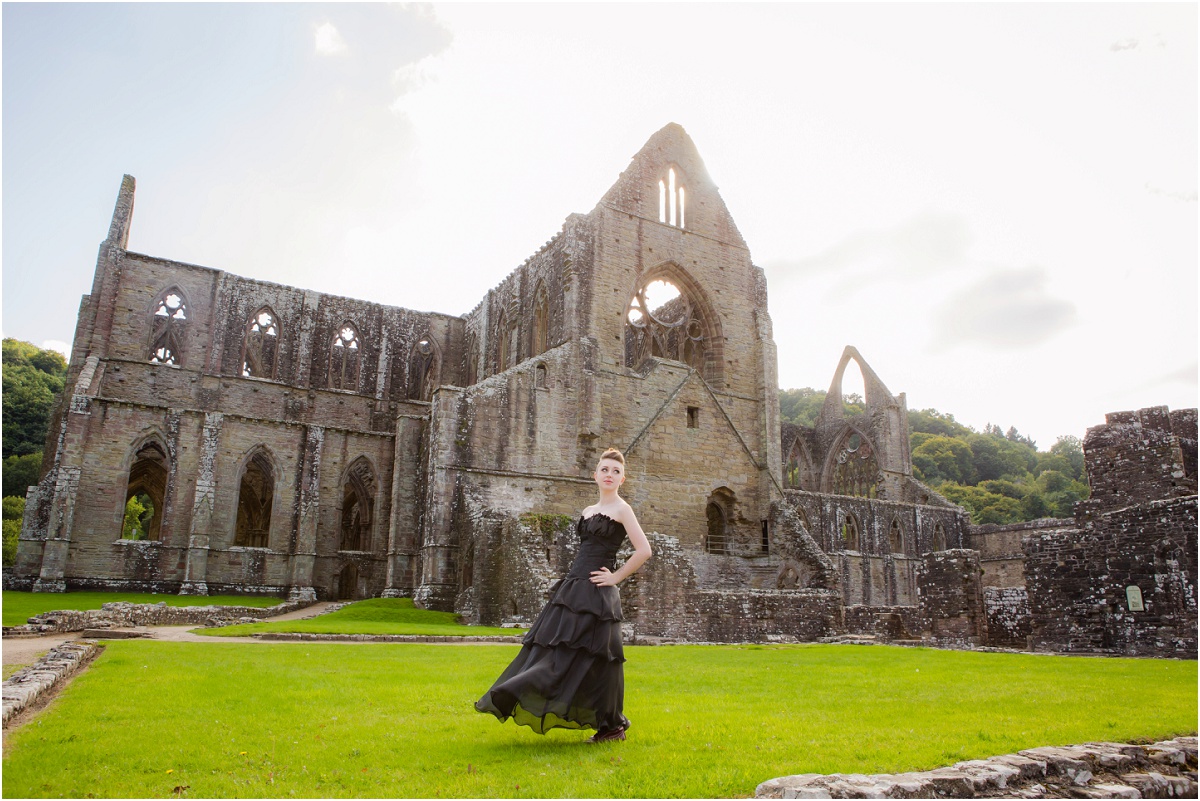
{"points": [[296, 443]]}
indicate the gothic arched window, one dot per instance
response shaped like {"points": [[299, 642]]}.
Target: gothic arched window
{"points": [[663, 321], [358, 505], [146, 492], [939, 536], [256, 496], [896, 537], [850, 532], [503, 345], [424, 368], [541, 320], [857, 471], [260, 344], [344, 357], [168, 324]]}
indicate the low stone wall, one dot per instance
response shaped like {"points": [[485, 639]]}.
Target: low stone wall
{"points": [[121, 614], [886, 623], [1095, 770], [26, 686]]}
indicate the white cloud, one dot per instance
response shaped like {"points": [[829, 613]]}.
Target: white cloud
{"points": [[57, 345], [328, 41], [1007, 309]]}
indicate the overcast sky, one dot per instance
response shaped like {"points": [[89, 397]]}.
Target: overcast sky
{"points": [[996, 204]]}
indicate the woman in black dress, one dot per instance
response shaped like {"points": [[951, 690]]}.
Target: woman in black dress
{"points": [[570, 671]]}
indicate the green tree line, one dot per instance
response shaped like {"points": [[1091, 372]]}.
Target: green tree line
{"points": [[32, 379], [997, 475]]}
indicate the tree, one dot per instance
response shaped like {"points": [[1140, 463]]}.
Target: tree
{"points": [[944, 459], [20, 473], [139, 510], [32, 378], [1071, 449], [803, 406], [14, 510], [931, 421]]}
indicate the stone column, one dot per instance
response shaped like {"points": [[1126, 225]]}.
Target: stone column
{"points": [[52, 577], [195, 576], [403, 532], [438, 585], [308, 510]]}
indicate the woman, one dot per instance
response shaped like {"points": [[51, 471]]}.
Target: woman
{"points": [[570, 672]]}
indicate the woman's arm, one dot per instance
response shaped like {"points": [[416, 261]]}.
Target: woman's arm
{"points": [[641, 551]]}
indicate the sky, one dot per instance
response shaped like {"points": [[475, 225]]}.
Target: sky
{"points": [[995, 203]]}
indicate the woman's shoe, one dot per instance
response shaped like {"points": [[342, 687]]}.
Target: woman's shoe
{"points": [[608, 736]]}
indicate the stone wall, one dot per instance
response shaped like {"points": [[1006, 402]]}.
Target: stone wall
{"points": [[1008, 620], [951, 599], [1079, 582]]}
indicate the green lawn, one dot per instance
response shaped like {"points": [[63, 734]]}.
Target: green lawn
{"points": [[20, 606], [378, 616], [340, 720]]}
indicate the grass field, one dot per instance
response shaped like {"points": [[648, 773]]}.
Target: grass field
{"points": [[339, 720], [377, 616], [20, 606]]}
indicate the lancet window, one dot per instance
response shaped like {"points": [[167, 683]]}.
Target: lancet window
{"points": [[358, 506], [424, 369], [671, 200], [260, 345], [896, 537], [850, 532], [145, 494], [541, 320], [344, 358], [169, 322], [256, 496]]}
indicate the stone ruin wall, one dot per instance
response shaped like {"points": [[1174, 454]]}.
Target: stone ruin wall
{"points": [[208, 419], [1061, 585]]}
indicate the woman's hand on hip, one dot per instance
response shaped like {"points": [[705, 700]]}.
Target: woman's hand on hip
{"points": [[603, 578]]}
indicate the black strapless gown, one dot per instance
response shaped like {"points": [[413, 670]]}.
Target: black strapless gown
{"points": [[570, 672]]}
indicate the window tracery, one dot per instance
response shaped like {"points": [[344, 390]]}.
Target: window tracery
{"points": [[856, 471], [169, 322], [260, 345], [663, 322], [344, 357]]}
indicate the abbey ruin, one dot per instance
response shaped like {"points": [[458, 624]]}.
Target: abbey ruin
{"points": [[310, 446]]}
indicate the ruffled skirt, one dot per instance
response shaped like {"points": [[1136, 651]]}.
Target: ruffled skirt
{"points": [[570, 672]]}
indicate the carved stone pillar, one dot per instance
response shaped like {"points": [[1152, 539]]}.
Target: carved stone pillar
{"points": [[195, 576], [307, 517]]}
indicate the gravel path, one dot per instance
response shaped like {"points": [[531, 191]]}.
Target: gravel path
{"points": [[26, 650]]}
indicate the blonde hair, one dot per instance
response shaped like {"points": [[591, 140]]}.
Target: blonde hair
{"points": [[614, 454]]}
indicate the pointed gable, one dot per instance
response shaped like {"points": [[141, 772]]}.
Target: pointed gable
{"points": [[698, 206]]}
